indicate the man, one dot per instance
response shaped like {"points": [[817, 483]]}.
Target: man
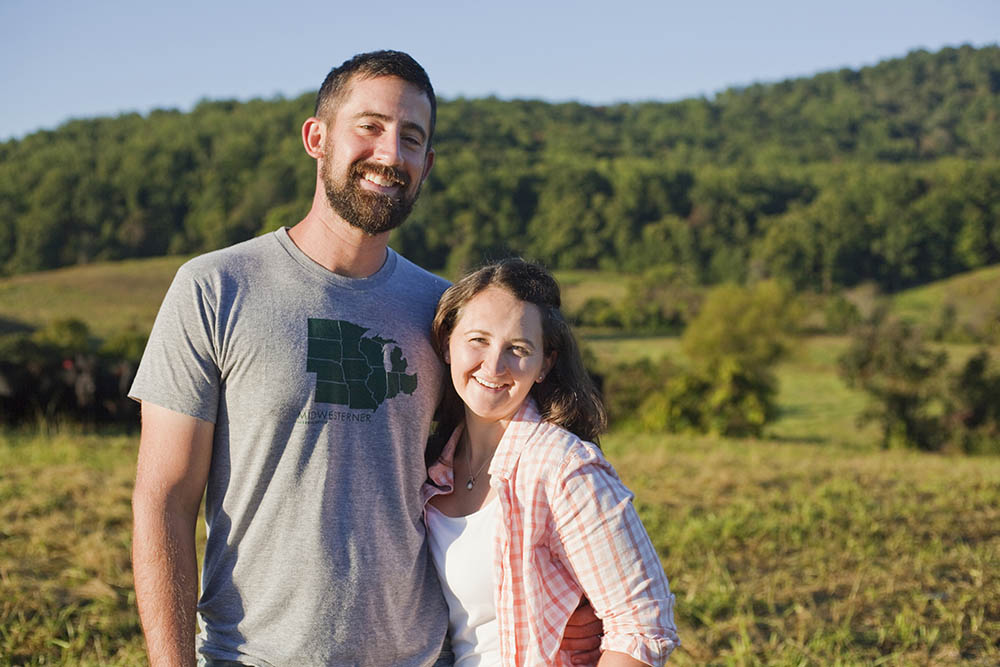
{"points": [[292, 380]]}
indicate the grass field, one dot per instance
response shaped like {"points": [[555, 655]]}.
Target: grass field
{"points": [[810, 546], [65, 534], [974, 297], [109, 297], [779, 553], [799, 554]]}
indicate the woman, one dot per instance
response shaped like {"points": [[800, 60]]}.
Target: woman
{"points": [[525, 516]]}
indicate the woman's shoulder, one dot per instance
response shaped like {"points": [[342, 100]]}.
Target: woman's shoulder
{"points": [[554, 448]]}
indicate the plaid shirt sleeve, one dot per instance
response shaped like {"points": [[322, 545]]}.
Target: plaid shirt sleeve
{"points": [[600, 539]]}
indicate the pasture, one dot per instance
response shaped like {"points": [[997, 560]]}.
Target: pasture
{"points": [[809, 546]]}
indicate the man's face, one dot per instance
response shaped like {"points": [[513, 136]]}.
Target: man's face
{"points": [[375, 155]]}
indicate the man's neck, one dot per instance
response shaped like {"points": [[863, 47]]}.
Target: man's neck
{"points": [[339, 246]]}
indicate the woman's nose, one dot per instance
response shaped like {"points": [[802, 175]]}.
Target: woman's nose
{"points": [[494, 361]]}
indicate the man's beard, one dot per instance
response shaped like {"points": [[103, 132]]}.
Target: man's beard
{"points": [[371, 212]]}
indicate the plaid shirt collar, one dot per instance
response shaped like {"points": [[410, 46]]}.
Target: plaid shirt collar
{"points": [[515, 438], [522, 425]]}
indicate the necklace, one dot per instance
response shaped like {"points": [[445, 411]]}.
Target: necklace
{"points": [[468, 457]]}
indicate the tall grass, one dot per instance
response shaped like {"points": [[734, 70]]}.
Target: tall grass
{"points": [[65, 531], [780, 553], [792, 554]]}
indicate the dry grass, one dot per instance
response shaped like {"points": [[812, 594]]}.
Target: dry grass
{"points": [[109, 297], [779, 553], [969, 293], [791, 554], [65, 531], [811, 547]]}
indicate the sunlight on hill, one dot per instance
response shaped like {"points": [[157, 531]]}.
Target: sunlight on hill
{"points": [[109, 296]]}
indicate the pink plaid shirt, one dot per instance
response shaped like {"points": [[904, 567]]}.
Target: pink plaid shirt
{"points": [[569, 529]]}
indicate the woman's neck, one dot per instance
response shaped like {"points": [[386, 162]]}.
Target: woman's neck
{"points": [[483, 436]]}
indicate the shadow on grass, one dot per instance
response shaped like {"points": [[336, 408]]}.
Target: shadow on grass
{"points": [[11, 326], [584, 333], [797, 439]]}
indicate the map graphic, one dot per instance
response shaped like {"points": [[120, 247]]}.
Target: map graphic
{"points": [[351, 368]]}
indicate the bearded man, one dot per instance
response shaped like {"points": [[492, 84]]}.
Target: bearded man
{"points": [[291, 379]]}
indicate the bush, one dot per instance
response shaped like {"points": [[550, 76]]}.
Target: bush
{"points": [[662, 299], [627, 385], [678, 407], [974, 407], [841, 315], [598, 312], [751, 325], [729, 388], [889, 359], [917, 402], [60, 371]]}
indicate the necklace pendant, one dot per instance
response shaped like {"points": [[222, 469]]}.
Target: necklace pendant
{"points": [[471, 483]]}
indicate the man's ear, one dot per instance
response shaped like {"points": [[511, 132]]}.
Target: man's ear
{"points": [[313, 136], [428, 163]]}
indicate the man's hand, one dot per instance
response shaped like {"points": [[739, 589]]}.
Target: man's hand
{"points": [[583, 635]]}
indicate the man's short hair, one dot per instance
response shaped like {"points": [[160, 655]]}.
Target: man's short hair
{"points": [[369, 66]]}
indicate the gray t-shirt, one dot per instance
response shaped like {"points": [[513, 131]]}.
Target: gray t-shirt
{"points": [[321, 389]]}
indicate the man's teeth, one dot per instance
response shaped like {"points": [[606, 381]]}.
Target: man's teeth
{"points": [[381, 180], [488, 384]]}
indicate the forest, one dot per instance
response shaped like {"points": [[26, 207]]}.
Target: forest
{"points": [[888, 174]]}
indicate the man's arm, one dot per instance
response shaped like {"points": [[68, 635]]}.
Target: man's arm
{"points": [[175, 452], [582, 636]]}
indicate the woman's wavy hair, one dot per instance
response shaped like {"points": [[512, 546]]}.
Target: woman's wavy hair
{"points": [[567, 396]]}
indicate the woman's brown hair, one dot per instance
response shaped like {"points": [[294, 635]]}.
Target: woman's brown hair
{"points": [[567, 396]]}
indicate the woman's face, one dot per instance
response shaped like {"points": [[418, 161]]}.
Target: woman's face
{"points": [[496, 354]]}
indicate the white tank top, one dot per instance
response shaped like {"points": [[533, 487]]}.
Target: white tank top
{"points": [[462, 549]]}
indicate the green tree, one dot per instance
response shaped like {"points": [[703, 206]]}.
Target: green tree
{"points": [[891, 362]]}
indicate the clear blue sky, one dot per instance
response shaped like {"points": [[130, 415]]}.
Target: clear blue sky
{"points": [[62, 59]]}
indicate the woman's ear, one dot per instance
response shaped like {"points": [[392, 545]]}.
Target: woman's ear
{"points": [[550, 361]]}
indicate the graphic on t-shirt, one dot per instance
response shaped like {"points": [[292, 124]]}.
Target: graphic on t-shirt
{"points": [[350, 367]]}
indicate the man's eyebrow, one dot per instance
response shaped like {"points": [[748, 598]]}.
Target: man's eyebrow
{"points": [[410, 125]]}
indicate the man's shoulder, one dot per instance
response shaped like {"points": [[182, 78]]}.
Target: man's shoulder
{"points": [[237, 257], [419, 279]]}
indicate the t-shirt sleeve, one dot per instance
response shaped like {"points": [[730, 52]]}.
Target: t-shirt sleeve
{"points": [[180, 366]]}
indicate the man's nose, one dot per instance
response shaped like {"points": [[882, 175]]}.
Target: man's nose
{"points": [[388, 149]]}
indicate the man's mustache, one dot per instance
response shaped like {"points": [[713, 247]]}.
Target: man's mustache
{"points": [[360, 168]]}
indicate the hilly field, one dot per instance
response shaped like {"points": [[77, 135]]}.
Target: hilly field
{"points": [[807, 546]]}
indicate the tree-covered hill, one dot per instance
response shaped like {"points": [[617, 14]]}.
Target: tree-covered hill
{"points": [[889, 174]]}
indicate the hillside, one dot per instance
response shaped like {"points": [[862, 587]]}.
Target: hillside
{"points": [[887, 174], [111, 296], [964, 307]]}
